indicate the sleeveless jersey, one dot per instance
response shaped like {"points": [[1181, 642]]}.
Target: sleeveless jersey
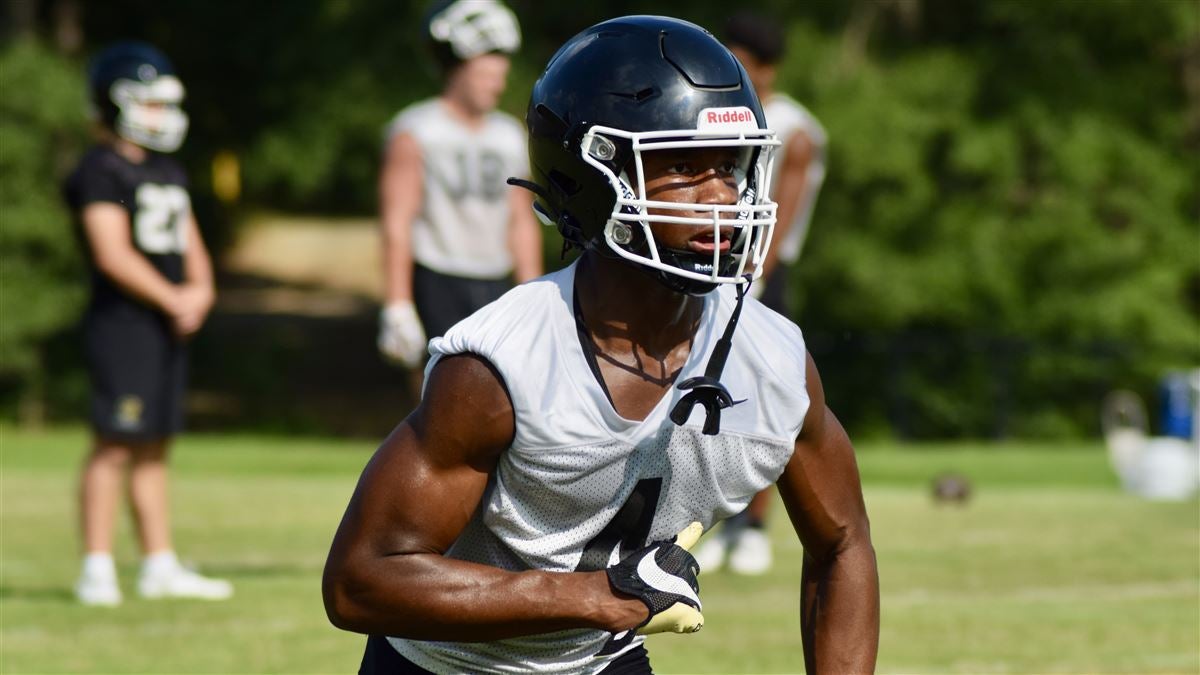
{"points": [[785, 117], [154, 193], [462, 227], [581, 487]]}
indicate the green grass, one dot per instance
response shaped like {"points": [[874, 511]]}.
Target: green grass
{"points": [[1050, 568]]}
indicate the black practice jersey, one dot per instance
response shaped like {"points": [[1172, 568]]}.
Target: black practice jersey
{"points": [[154, 193]]}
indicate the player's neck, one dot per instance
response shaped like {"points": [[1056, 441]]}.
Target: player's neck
{"points": [[622, 305], [133, 152], [461, 111]]}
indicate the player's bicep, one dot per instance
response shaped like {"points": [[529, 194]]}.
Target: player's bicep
{"points": [[400, 178], [424, 483], [820, 486], [195, 253], [520, 206], [107, 230]]}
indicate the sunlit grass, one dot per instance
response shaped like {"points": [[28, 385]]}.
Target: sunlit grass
{"points": [[1049, 568]]}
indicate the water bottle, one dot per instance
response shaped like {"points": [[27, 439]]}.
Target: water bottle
{"points": [[1177, 419]]}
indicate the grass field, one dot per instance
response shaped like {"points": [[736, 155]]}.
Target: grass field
{"points": [[1050, 568]]}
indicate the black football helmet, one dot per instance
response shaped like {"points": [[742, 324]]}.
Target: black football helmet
{"points": [[637, 84], [458, 30], [135, 92]]}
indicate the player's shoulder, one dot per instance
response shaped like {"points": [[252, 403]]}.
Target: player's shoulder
{"points": [[506, 121], [99, 158], [514, 319], [104, 159], [786, 113], [100, 175], [414, 116], [523, 301], [782, 101]]}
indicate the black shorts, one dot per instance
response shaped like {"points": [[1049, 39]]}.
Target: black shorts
{"points": [[443, 300], [381, 659], [139, 375]]}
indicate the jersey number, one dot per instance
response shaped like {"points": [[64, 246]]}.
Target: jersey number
{"points": [[627, 530], [158, 223], [485, 183]]}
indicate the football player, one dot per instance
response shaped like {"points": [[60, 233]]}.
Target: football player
{"points": [[455, 235], [533, 513], [758, 42], [151, 289]]}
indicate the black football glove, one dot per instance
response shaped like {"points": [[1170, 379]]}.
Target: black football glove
{"points": [[662, 575]]}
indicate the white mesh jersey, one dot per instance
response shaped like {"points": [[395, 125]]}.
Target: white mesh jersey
{"points": [[580, 487], [462, 228], [785, 117]]}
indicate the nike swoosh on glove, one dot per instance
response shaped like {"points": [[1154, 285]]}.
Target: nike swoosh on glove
{"points": [[664, 576]]}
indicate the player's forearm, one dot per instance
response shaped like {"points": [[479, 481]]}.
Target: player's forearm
{"points": [[526, 246], [430, 597], [134, 275], [197, 264], [397, 262], [840, 609], [524, 237]]}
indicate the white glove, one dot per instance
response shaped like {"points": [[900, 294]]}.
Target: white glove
{"points": [[401, 337]]}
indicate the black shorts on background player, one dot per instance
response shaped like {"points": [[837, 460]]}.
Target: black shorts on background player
{"points": [[138, 367], [138, 375], [443, 300]]}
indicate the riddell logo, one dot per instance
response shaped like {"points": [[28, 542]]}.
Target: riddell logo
{"points": [[734, 115], [740, 117]]}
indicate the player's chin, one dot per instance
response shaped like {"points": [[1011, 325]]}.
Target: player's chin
{"points": [[490, 101]]}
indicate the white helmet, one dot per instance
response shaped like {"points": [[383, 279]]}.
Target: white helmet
{"points": [[463, 29]]}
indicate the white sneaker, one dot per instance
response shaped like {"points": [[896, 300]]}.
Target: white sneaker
{"points": [[98, 590], [180, 582], [751, 552], [711, 554]]}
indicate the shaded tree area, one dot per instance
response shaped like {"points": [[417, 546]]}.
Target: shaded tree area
{"points": [[1011, 223], [1010, 226]]}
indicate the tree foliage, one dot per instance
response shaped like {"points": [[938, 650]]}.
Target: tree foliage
{"points": [[41, 278], [1009, 227], [1001, 216]]}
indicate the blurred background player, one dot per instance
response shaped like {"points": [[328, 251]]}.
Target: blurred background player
{"points": [[151, 289], [455, 236], [759, 43]]}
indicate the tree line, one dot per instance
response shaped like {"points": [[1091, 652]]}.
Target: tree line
{"points": [[1010, 225]]}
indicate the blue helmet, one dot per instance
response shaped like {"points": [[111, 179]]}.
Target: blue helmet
{"points": [[135, 92], [637, 84]]}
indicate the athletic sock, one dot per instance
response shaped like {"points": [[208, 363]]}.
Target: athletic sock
{"points": [[157, 563], [99, 564]]}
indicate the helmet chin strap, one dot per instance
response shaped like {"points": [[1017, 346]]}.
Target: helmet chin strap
{"points": [[707, 390]]}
